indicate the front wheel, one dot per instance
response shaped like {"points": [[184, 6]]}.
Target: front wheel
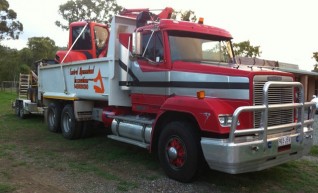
{"points": [[179, 151]]}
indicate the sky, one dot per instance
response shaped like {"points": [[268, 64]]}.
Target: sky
{"points": [[285, 30]]}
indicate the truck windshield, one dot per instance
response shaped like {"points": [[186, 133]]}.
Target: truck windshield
{"points": [[200, 48]]}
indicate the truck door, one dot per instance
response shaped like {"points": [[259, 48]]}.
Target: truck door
{"points": [[151, 70]]}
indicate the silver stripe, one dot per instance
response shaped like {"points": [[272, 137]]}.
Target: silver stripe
{"points": [[214, 93], [190, 77], [200, 77], [242, 94]]}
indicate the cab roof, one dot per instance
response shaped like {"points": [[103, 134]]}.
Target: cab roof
{"points": [[168, 24]]}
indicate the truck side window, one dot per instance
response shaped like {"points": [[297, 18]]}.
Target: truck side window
{"points": [[154, 51], [101, 36]]}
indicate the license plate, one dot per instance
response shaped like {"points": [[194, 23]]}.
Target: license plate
{"points": [[286, 140]]}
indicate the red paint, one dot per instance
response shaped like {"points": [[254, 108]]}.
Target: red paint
{"points": [[83, 54], [124, 39], [113, 111], [147, 103], [206, 111]]}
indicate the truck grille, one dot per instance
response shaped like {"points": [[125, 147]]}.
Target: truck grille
{"points": [[276, 95]]}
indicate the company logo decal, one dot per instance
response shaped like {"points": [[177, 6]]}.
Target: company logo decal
{"points": [[99, 89], [82, 82]]}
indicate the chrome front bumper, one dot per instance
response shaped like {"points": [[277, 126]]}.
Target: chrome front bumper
{"points": [[262, 150], [235, 158]]}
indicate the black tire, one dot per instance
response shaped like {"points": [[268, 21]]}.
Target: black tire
{"points": [[179, 151], [71, 129], [87, 129], [17, 108], [54, 117], [21, 111]]}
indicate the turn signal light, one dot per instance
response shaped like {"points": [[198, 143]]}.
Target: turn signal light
{"points": [[201, 20], [201, 94]]}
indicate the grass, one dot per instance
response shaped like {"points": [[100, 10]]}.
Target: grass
{"points": [[92, 168], [314, 150], [5, 188], [29, 138], [28, 144]]}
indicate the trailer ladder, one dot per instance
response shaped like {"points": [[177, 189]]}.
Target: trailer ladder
{"points": [[24, 84]]}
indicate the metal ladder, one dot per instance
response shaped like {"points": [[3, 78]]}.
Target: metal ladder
{"points": [[24, 84]]}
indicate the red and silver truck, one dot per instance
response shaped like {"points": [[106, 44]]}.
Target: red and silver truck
{"points": [[174, 88]]}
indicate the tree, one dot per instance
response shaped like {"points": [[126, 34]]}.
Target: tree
{"points": [[10, 27], [187, 15], [9, 63], [315, 56], [26, 56], [100, 11], [42, 47], [245, 49]]}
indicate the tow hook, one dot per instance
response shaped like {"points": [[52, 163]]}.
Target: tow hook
{"points": [[254, 148], [308, 136]]}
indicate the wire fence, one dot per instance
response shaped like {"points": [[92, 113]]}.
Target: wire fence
{"points": [[9, 86]]}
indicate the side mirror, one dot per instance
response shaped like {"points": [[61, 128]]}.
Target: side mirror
{"points": [[137, 43]]}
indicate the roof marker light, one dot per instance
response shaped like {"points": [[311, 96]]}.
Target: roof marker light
{"points": [[201, 20]]}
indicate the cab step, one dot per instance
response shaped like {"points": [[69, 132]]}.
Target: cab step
{"points": [[129, 141]]}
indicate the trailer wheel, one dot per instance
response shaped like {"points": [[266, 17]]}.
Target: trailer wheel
{"points": [[17, 108], [21, 109], [179, 151], [71, 129], [54, 117]]}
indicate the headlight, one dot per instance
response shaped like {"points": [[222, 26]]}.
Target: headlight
{"points": [[226, 120]]}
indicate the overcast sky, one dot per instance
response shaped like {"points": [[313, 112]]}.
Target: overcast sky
{"points": [[285, 30]]}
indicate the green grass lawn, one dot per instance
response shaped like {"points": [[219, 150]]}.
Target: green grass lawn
{"points": [[38, 149]]}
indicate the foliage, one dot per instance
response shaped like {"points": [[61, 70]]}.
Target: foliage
{"points": [[13, 62], [10, 27], [41, 47], [245, 49], [25, 69], [187, 15], [26, 56], [315, 56], [9, 63], [100, 11]]}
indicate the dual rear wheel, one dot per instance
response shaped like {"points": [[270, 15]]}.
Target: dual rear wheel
{"points": [[62, 119], [179, 148]]}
